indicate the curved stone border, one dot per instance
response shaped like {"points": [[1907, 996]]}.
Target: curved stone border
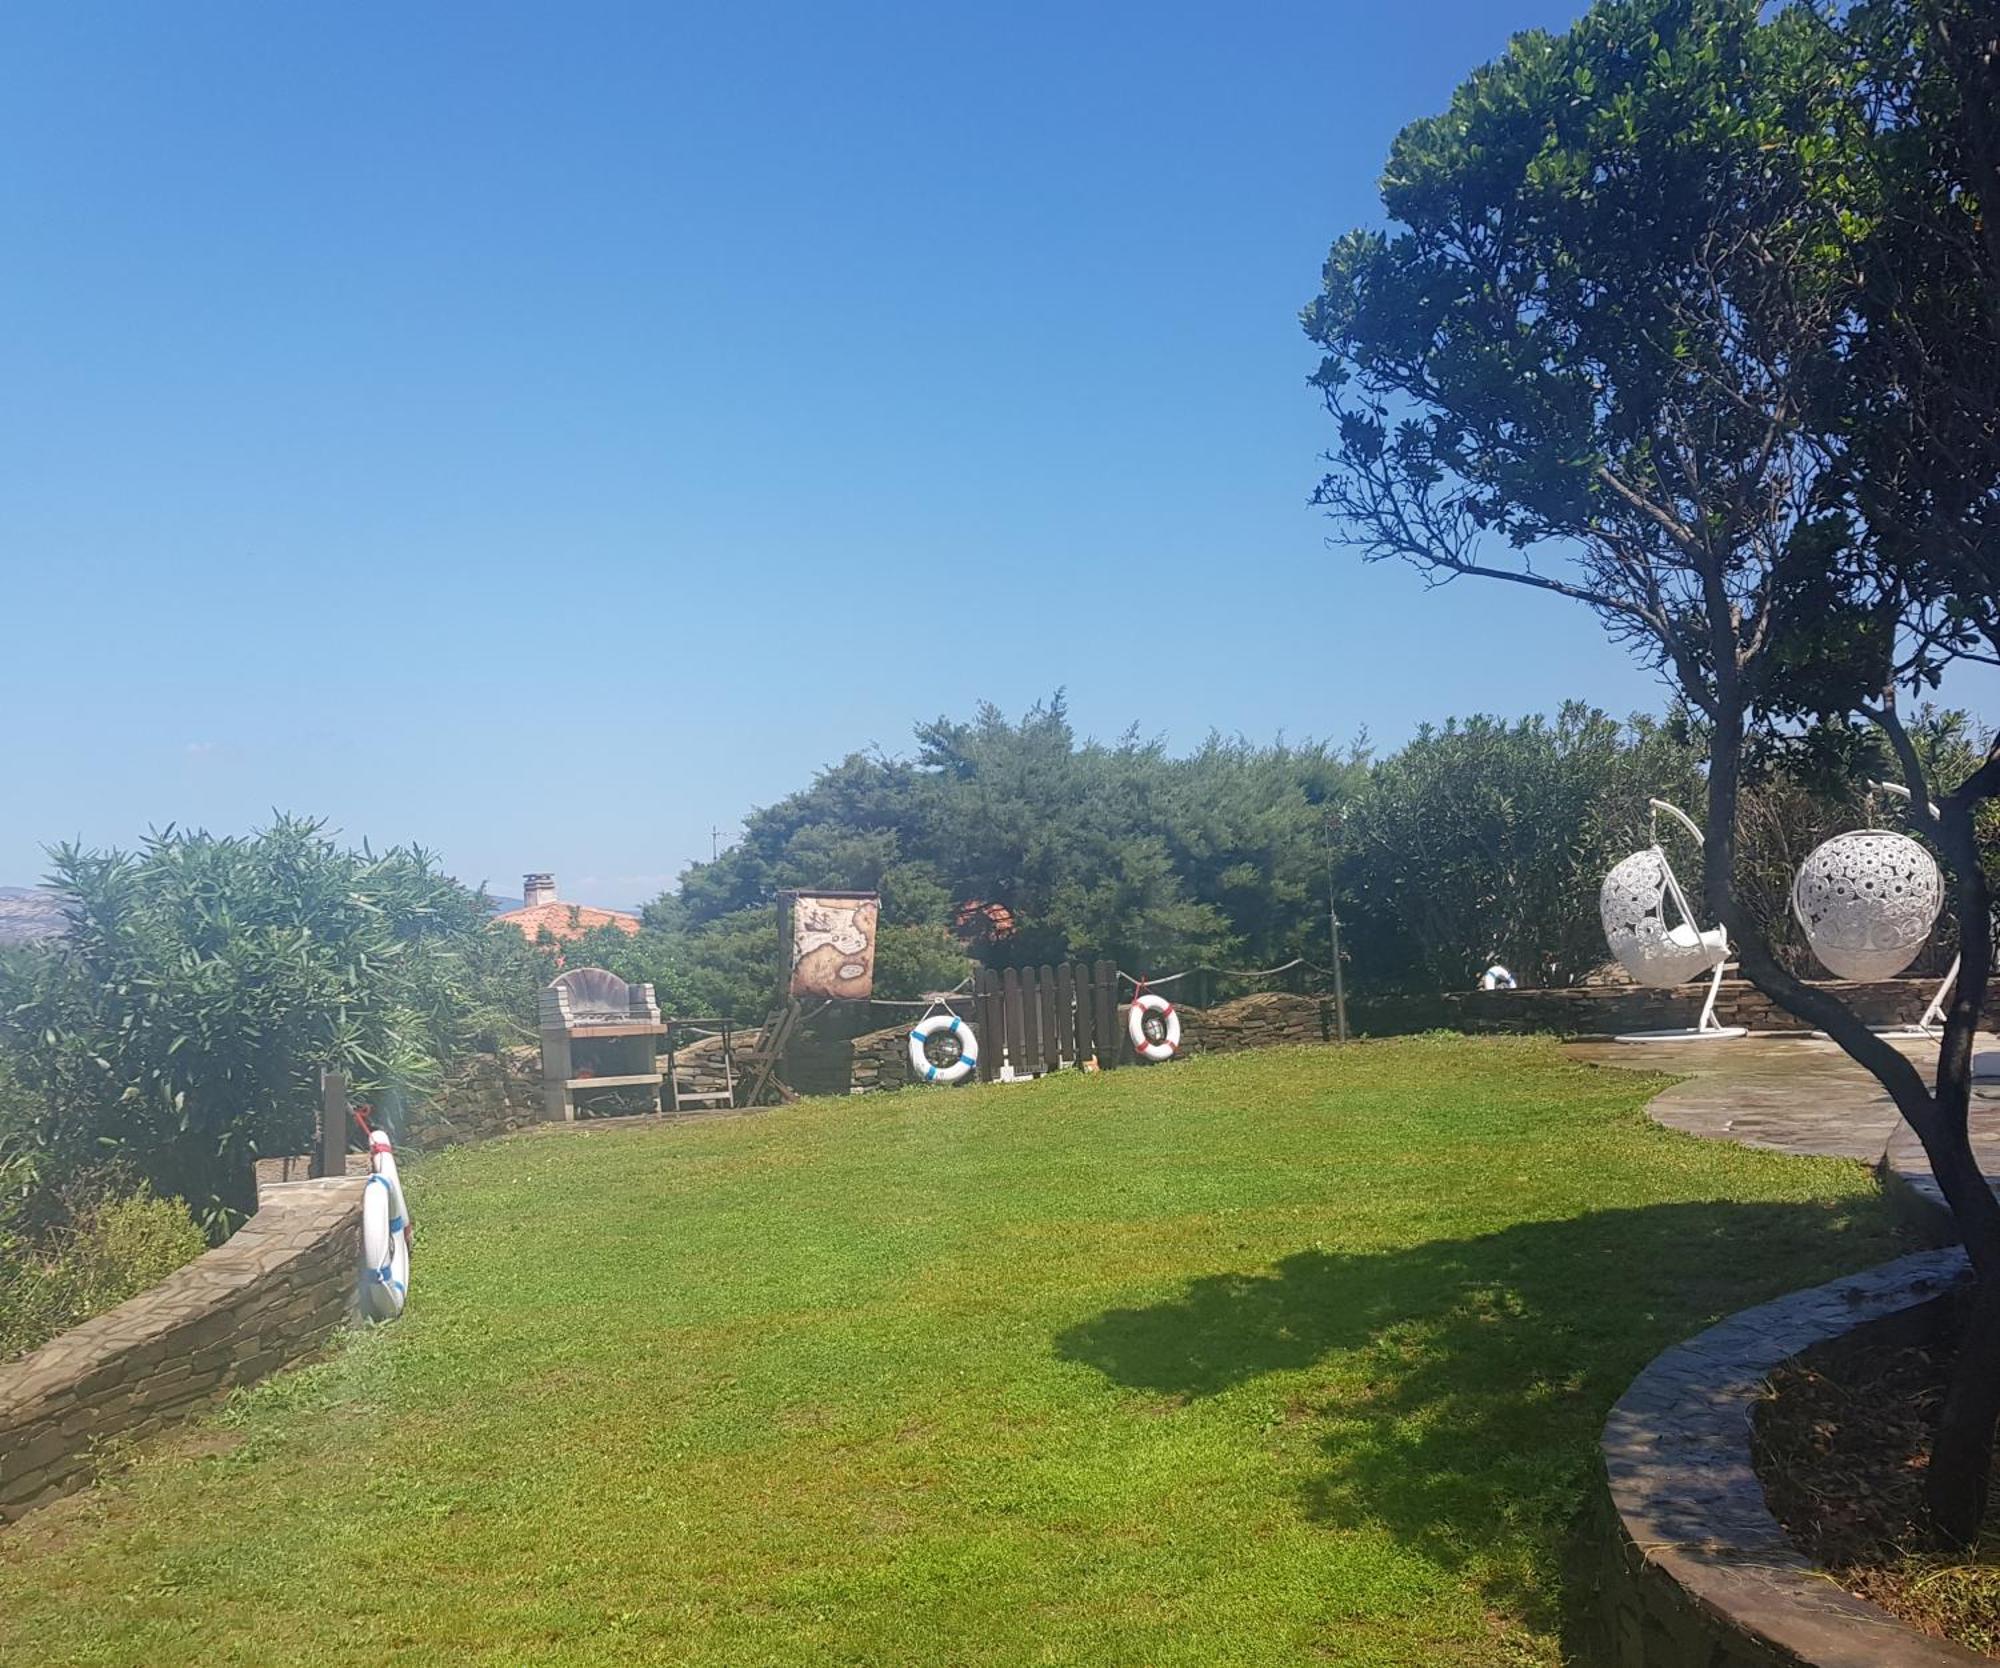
{"points": [[1701, 1573], [274, 1293]]}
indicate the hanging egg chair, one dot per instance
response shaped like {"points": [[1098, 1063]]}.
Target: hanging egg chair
{"points": [[1868, 901], [1654, 950], [1651, 929]]}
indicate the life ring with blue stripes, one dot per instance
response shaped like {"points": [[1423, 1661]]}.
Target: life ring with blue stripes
{"points": [[385, 1252], [943, 1025]]}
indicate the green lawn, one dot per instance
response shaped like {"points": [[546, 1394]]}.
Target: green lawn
{"points": [[1293, 1357]]}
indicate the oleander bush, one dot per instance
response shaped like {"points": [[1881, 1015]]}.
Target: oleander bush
{"points": [[179, 1026]]}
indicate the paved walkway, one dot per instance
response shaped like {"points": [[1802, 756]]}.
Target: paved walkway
{"points": [[1796, 1095]]}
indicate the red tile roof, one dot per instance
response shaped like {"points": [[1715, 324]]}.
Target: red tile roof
{"points": [[566, 920]]}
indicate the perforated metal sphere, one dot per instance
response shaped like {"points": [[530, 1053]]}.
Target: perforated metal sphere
{"points": [[1632, 906], [1868, 901]]}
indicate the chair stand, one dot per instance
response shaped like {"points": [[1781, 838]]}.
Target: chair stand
{"points": [[1705, 1028]]}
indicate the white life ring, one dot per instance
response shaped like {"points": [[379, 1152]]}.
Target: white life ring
{"points": [[968, 1043], [1146, 1002], [385, 1252]]}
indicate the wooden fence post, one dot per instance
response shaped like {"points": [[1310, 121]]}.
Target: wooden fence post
{"points": [[1051, 1031], [1010, 1002], [1109, 1054], [331, 1159], [1031, 1024], [986, 1021], [1066, 1037]]}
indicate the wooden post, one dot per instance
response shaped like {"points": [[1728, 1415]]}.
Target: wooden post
{"points": [[1031, 1024], [331, 1159], [1051, 1029], [1110, 1053], [1086, 1018], [986, 1021], [1010, 1002], [1067, 1038]]}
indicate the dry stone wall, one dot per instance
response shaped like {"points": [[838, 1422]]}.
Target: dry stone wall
{"points": [[1692, 1570], [270, 1296], [824, 1059], [490, 1095]]}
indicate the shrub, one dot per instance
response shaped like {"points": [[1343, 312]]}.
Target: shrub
{"points": [[109, 1252]]}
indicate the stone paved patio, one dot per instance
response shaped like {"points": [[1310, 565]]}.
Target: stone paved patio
{"points": [[1793, 1094]]}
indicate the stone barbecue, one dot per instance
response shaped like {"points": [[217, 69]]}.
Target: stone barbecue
{"points": [[598, 1033]]}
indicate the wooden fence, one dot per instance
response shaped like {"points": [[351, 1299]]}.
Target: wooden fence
{"points": [[1036, 1020]]}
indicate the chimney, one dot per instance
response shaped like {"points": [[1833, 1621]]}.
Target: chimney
{"points": [[537, 889]]}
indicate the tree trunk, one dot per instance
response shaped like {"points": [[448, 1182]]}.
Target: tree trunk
{"points": [[1962, 1448], [1962, 1452], [1961, 1468]]}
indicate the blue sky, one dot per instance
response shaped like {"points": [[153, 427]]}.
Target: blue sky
{"points": [[389, 389]]}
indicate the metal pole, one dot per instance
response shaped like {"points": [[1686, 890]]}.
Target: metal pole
{"points": [[1339, 982], [1333, 938]]}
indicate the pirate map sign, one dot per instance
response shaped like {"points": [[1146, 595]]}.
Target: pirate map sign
{"points": [[833, 944]]}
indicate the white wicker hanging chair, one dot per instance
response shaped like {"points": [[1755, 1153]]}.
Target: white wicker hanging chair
{"points": [[1637, 904], [1868, 901], [1654, 950]]}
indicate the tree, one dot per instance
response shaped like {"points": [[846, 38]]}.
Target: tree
{"points": [[1083, 849], [1596, 359], [1917, 407]]}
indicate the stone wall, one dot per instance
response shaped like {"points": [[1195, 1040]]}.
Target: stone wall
{"points": [[489, 1095], [1692, 1570], [825, 1058], [1606, 1010], [270, 1296], [1268, 1019], [698, 1067], [880, 1060]]}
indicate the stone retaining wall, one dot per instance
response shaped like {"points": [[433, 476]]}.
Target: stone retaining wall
{"points": [[1607, 1010], [1694, 1571], [270, 1296], [825, 1058], [1269, 1019]]}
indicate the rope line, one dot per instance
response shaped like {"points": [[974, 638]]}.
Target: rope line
{"points": [[962, 988], [1227, 972]]}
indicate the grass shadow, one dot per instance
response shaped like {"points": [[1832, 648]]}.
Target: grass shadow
{"points": [[1462, 1383]]}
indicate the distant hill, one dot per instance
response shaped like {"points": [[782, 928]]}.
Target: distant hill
{"points": [[28, 913]]}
